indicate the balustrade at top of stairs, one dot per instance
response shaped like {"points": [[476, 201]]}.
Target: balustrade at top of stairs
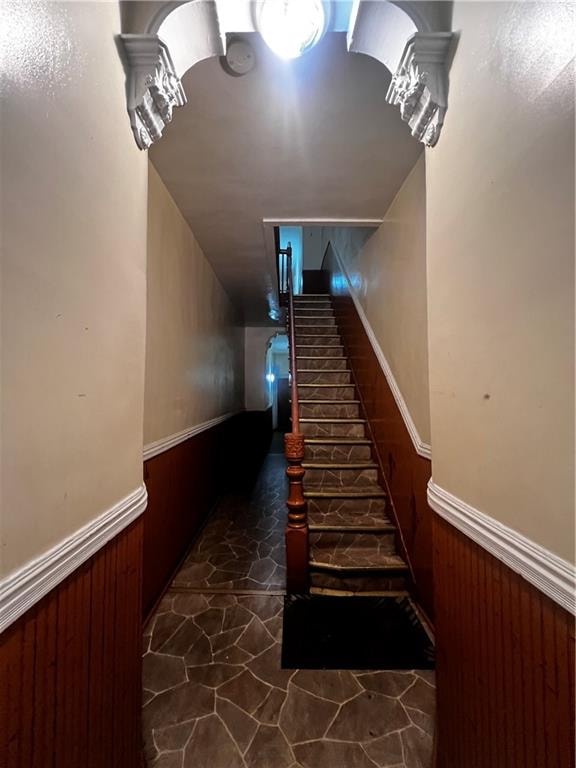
{"points": [[352, 543]]}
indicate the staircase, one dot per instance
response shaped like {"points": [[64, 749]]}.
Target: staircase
{"points": [[352, 541]]}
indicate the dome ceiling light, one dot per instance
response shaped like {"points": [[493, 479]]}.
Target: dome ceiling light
{"points": [[292, 27]]}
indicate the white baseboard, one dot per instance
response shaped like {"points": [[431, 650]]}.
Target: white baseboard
{"points": [[549, 573], [23, 588], [422, 448], [159, 446]]}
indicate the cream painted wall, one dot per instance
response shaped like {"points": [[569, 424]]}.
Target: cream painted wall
{"points": [[194, 346], [388, 270], [500, 196], [73, 222]]}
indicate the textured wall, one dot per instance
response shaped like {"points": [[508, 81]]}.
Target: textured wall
{"points": [[194, 347], [500, 248], [73, 221]]}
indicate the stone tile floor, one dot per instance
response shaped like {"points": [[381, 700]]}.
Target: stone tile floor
{"points": [[215, 695]]}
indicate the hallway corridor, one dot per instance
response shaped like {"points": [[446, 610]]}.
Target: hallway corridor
{"points": [[215, 695]]}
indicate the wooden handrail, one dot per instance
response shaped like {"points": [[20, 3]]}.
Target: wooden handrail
{"points": [[292, 343], [297, 549]]}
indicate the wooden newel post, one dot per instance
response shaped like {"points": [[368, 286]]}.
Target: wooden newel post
{"points": [[297, 528]]}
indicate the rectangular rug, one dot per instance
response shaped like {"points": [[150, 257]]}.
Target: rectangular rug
{"points": [[322, 632]]}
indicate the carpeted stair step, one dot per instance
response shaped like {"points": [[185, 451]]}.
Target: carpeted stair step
{"points": [[348, 515], [344, 475], [321, 320], [331, 427], [329, 409], [319, 350], [329, 543], [316, 340], [325, 363], [313, 311], [326, 392], [315, 329], [369, 491], [338, 450], [357, 570], [325, 376]]}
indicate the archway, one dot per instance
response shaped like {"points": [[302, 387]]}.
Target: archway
{"points": [[410, 39]]}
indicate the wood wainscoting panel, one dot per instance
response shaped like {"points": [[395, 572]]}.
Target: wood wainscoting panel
{"points": [[505, 663], [405, 473], [184, 483], [70, 672]]}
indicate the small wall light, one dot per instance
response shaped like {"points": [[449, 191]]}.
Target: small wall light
{"points": [[292, 27], [270, 378]]}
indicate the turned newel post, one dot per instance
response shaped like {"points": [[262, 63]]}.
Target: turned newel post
{"points": [[297, 528], [297, 556]]}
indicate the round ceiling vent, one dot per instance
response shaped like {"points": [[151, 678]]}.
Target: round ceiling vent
{"points": [[240, 57]]}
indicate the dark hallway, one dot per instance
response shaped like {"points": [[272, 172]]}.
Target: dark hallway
{"points": [[215, 695]]}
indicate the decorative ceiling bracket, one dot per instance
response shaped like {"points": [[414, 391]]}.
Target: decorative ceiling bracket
{"points": [[420, 85], [153, 87]]}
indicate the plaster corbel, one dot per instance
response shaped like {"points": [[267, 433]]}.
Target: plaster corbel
{"points": [[153, 87], [420, 84]]}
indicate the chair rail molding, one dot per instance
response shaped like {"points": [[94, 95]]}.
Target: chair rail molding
{"points": [[553, 576], [420, 84], [422, 449], [153, 87], [165, 443], [23, 588]]}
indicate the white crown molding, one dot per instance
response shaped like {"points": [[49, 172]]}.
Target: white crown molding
{"points": [[549, 573], [420, 84], [23, 588], [153, 87], [422, 449], [165, 443]]}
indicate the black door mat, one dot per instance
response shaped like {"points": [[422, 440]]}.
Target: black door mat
{"points": [[353, 633]]}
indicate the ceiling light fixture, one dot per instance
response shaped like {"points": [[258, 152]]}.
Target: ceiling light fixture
{"points": [[292, 27]]}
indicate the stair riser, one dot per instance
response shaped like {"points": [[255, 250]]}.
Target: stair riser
{"points": [[384, 583], [324, 377], [331, 507], [329, 411], [339, 477], [304, 319], [332, 430], [318, 364], [337, 453], [300, 311], [316, 329], [326, 541], [326, 393], [319, 349]]}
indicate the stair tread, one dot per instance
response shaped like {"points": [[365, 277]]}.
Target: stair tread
{"points": [[334, 592], [360, 559], [368, 491], [330, 420], [348, 520], [325, 385], [321, 370], [324, 402], [339, 465], [327, 357], [337, 441]]}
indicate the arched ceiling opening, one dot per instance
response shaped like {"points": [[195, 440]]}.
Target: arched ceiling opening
{"points": [[317, 138]]}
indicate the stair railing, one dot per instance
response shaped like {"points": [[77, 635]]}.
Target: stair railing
{"points": [[297, 552]]}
